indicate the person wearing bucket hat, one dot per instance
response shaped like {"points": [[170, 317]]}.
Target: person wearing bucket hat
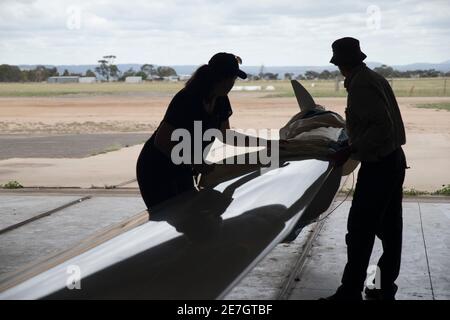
{"points": [[346, 51], [376, 134], [203, 100]]}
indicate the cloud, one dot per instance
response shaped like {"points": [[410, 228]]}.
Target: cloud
{"points": [[275, 32]]}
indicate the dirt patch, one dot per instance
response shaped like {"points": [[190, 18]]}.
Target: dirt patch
{"points": [[74, 127]]}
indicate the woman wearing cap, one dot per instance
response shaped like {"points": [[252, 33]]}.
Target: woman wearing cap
{"points": [[204, 98]]}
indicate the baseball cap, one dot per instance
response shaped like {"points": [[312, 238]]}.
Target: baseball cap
{"points": [[227, 64]]}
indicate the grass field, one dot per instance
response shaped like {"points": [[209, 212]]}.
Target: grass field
{"points": [[425, 87], [59, 89]]}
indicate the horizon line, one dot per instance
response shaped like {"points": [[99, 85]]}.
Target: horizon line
{"points": [[245, 65]]}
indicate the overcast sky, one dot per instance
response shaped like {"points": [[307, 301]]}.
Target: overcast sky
{"points": [[172, 32]]}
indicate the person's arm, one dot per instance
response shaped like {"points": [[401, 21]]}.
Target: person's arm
{"points": [[239, 139]]}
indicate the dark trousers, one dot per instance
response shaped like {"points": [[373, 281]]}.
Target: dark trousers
{"points": [[156, 189], [159, 181], [376, 211]]}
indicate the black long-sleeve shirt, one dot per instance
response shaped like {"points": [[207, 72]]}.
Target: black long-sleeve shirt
{"points": [[374, 122]]}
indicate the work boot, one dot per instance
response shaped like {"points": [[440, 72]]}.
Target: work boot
{"points": [[381, 294], [372, 293]]}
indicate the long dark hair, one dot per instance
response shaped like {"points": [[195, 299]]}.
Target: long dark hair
{"points": [[203, 80]]}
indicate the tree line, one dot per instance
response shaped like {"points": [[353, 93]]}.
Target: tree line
{"points": [[384, 70], [106, 70], [389, 72], [10, 73]]}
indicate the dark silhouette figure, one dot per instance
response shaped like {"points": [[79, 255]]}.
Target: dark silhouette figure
{"points": [[376, 133], [204, 98]]}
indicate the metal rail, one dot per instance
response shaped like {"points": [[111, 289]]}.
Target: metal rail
{"points": [[44, 214], [297, 269]]}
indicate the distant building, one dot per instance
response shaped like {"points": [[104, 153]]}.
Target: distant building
{"points": [[171, 78], [184, 77], [133, 79], [63, 79], [156, 78], [87, 79], [246, 88]]}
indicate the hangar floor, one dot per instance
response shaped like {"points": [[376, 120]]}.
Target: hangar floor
{"points": [[308, 268]]}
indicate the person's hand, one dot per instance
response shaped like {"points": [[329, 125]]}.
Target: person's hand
{"points": [[340, 157]]}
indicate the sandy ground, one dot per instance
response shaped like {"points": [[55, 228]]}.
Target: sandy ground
{"points": [[427, 149]]}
